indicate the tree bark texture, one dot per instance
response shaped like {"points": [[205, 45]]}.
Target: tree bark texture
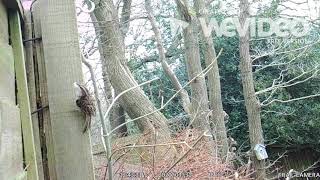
{"points": [[117, 114], [251, 100], [135, 102], [199, 95], [162, 57], [214, 86]]}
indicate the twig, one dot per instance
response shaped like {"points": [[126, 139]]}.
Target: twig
{"points": [[292, 82], [122, 93], [184, 155], [285, 52], [186, 104], [311, 166], [147, 145], [105, 127], [291, 100]]}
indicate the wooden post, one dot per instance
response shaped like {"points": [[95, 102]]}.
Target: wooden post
{"points": [[30, 68], [72, 148], [23, 96], [47, 141]]}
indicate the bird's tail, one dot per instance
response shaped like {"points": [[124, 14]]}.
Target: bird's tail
{"points": [[87, 124]]}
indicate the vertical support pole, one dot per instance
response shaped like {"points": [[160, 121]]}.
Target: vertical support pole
{"points": [[72, 148], [30, 68], [42, 95], [23, 97]]}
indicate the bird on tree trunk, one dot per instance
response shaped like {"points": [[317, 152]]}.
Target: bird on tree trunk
{"points": [[86, 104]]}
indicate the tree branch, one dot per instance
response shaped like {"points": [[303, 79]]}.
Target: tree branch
{"points": [[291, 100], [203, 73], [105, 126], [291, 82], [174, 80]]}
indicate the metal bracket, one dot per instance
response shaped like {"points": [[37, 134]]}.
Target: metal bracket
{"points": [[39, 110], [33, 39]]}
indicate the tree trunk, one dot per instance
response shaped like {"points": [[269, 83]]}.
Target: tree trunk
{"points": [[118, 117], [218, 115], [168, 71], [251, 100], [199, 95], [135, 102], [117, 114], [125, 16]]}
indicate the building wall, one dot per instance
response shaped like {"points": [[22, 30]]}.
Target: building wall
{"points": [[10, 127], [4, 35], [7, 86]]}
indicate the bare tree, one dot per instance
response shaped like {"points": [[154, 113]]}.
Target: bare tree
{"points": [[162, 57], [251, 100], [218, 115], [117, 116], [284, 61], [199, 95], [135, 102]]}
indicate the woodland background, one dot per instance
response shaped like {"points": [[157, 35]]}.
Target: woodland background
{"points": [[229, 92]]}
